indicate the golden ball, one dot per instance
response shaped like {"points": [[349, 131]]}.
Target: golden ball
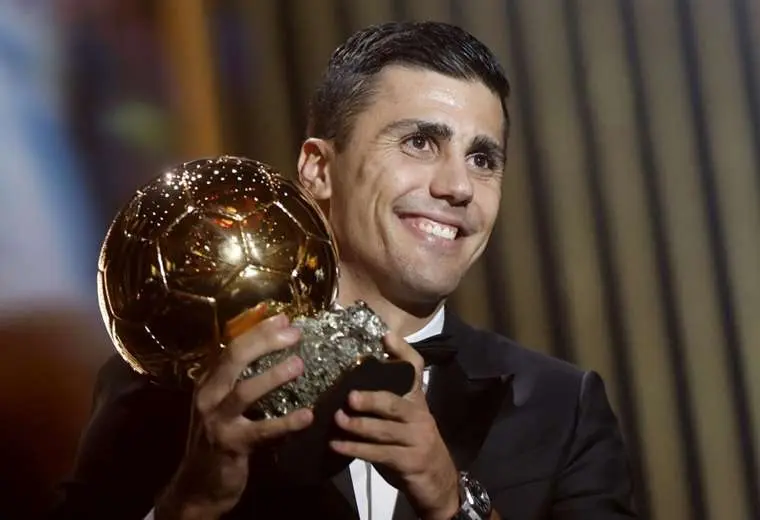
{"points": [[200, 245]]}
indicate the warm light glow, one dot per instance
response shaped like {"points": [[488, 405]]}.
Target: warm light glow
{"points": [[231, 251]]}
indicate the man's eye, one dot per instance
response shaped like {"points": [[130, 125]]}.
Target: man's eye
{"points": [[482, 161], [418, 142]]}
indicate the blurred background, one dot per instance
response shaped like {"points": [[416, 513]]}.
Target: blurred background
{"points": [[628, 240]]}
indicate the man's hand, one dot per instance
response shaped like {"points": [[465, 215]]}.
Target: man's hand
{"points": [[403, 441], [214, 472]]}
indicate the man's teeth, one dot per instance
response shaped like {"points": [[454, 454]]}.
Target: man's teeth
{"points": [[436, 229]]}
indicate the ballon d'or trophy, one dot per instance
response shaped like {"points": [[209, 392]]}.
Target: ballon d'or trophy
{"points": [[210, 248]]}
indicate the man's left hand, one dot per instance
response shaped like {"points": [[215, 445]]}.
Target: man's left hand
{"points": [[403, 441]]}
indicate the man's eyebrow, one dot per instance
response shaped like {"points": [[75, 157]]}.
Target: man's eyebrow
{"points": [[442, 131], [489, 146], [431, 128]]}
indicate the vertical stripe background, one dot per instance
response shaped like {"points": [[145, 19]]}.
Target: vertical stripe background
{"points": [[628, 240]]}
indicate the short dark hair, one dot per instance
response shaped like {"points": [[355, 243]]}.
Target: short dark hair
{"points": [[347, 84]]}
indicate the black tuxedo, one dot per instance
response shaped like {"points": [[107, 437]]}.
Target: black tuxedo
{"points": [[538, 433]]}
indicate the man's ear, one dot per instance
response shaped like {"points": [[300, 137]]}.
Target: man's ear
{"points": [[315, 167]]}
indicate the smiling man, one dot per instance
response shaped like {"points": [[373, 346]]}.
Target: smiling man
{"points": [[406, 154], [413, 191]]}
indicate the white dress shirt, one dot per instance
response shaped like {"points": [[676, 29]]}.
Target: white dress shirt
{"points": [[382, 496], [375, 498]]}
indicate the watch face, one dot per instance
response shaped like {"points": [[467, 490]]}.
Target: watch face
{"points": [[480, 498], [477, 504]]}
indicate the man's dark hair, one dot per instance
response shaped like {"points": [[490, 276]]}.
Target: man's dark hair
{"points": [[347, 85]]}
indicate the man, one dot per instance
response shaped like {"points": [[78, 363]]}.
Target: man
{"points": [[406, 152]]}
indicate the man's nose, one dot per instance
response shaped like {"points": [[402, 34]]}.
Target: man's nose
{"points": [[453, 183]]}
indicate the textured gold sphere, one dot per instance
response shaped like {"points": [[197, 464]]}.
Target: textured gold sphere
{"points": [[201, 244]]}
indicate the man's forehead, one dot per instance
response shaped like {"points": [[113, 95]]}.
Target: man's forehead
{"points": [[396, 79], [404, 93]]}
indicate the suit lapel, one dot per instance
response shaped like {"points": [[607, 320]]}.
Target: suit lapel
{"points": [[344, 485], [403, 509], [464, 410], [464, 396]]}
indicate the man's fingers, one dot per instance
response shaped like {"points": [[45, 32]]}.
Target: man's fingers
{"points": [[238, 325], [391, 456], [248, 391], [399, 348], [269, 335], [269, 429], [381, 431], [241, 435], [384, 404]]}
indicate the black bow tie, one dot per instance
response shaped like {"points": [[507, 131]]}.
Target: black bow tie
{"points": [[436, 350]]}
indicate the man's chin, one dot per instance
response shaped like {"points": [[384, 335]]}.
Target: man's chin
{"points": [[427, 292]]}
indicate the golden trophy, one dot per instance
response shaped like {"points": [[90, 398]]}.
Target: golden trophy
{"points": [[209, 248]]}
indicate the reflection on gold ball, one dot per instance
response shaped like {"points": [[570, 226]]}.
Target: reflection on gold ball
{"points": [[198, 246]]}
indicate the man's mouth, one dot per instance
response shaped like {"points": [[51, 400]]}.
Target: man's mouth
{"points": [[433, 228]]}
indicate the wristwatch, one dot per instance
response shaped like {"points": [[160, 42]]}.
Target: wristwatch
{"points": [[474, 500]]}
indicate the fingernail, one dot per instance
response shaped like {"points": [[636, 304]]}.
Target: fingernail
{"points": [[294, 365], [289, 334], [304, 416]]}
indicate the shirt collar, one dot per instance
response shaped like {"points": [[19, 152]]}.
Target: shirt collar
{"points": [[431, 328]]}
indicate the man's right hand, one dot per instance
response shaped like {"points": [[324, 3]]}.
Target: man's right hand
{"points": [[214, 472]]}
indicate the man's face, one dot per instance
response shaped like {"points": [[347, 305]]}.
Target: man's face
{"points": [[416, 189]]}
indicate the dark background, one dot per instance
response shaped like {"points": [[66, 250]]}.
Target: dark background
{"points": [[628, 240]]}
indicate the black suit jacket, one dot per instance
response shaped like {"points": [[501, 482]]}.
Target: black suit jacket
{"points": [[537, 432]]}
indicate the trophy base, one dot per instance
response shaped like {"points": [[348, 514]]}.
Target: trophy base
{"points": [[305, 457]]}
